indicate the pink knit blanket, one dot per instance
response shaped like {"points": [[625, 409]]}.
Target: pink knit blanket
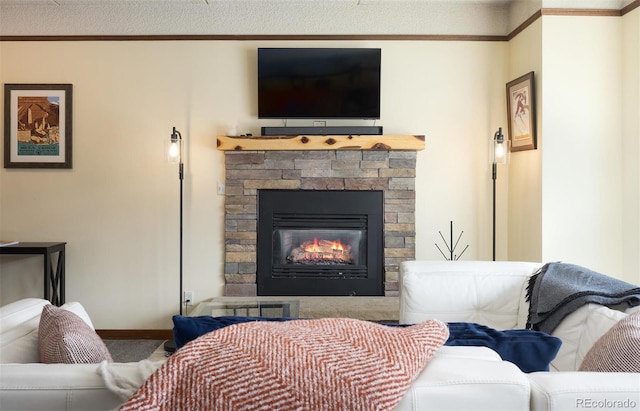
{"points": [[325, 364]]}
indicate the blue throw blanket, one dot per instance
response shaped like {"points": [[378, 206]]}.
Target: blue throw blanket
{"points": [[558, 289], [529, 350]]}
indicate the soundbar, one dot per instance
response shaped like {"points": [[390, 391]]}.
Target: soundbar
{"points": [[322, 131]]}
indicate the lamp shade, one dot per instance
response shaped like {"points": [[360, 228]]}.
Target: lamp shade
{"points": [[174, 147], [500, 148], [173, 151]]}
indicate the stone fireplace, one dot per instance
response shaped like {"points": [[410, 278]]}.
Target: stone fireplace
{"points": [[389, 171], [392, 172]]}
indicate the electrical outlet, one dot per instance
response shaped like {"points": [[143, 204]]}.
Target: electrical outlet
{"points": [[188, 298], [220, 188]]}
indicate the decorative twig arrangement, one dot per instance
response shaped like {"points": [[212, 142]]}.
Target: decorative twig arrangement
{"points": [[450, 246]]}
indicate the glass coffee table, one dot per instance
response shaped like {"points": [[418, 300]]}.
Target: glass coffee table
{"points": [[257, 308], [245, 308]]}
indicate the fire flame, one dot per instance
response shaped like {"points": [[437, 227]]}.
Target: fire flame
{"points": [[336, 245], [321, 251]]}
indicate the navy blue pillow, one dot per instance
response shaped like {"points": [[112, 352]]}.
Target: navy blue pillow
{"points": [[186, 329], [528, 349]]}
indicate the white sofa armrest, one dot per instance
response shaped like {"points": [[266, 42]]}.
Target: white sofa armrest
{"points": [[574, 390], [52, 387]]}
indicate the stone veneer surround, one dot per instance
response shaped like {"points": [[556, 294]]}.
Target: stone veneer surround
{"points": [[393, 172]]}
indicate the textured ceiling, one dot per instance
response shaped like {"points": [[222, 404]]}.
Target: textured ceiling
{"points": [[275, 17], [547, 3]]}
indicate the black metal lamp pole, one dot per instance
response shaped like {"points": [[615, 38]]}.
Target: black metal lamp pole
{"points": [[176, 138], [494, 175], [175, 152], [498, 143]]}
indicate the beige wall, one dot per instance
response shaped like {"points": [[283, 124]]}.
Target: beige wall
{"points": [[118, 207], [631, 146], [525, 168], [582, 129], [576, 198]]}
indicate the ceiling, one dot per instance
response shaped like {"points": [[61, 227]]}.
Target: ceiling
{"points": [[276, 17], [613, 4]]}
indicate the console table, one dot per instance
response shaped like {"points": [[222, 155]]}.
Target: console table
{"points": [[53, 279]]}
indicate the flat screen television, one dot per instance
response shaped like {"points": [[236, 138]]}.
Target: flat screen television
{"points": [[320, 83]]}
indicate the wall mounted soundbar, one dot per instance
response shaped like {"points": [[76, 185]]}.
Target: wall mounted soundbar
{"points": [[322, 131]]}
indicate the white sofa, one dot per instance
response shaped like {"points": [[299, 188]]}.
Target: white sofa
{"points": [[457, 378], [26, 384], [493, 294]]}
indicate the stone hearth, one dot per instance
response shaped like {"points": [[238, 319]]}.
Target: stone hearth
{"points": [[392, 172]]}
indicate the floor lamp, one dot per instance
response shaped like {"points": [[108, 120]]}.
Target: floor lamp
{"points": [[174, 153], [499, 155]]}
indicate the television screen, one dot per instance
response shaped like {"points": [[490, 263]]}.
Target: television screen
{"points": [[328, 83]]}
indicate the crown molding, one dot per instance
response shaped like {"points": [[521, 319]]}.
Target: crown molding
{"points": [[259, 37]]}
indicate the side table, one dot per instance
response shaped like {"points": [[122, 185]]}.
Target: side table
{"points": [[53, 278]]}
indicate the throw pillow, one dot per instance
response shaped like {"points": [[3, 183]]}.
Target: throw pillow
{"points": [[528, 349], [618, 350], [186, 329], [64, 337]]}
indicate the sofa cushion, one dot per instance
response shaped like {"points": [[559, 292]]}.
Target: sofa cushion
{"points": [[19, 330], [468, 382], [77, 308], [579, 331], [618, 350], [483, 292], [16, 313], [64, 337], [580, 391]]}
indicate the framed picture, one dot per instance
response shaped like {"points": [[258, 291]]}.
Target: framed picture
{"points": [[37, 125], [521, 111]]}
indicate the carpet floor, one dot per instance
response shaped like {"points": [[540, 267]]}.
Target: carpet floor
{"points": [[132, 350]]}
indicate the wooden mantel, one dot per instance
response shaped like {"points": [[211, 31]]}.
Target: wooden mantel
{"points": [[347, 142]]}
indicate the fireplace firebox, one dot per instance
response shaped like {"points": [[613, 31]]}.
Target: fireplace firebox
{"points": [[320, 243]]}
